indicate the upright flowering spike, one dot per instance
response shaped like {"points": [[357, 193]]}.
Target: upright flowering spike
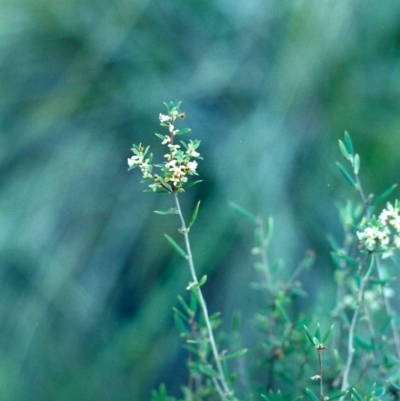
{"points": [[179, 164]]}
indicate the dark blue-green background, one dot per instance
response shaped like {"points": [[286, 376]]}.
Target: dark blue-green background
{"points": [[87, 280]]}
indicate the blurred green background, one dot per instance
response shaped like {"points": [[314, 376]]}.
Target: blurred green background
{"points": [[87, 279]]}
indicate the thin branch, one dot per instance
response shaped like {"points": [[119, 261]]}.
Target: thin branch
{"points": [[221, 385]]}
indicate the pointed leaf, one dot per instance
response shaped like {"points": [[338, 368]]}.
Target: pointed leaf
{"points": [[194, 215], [338, 395], [384, 195], [185, 306], [317, 334], [176, 246], [164, 212], [343, 149], [394, 385], [236, 354], [347, 176], [192, 183], [312, 395], [209, 371], [356, 166], [269, 228], [356, 394], [327, 335], [349, 143], [309, 335], [183, 131], [244, 213], [202, 280]]}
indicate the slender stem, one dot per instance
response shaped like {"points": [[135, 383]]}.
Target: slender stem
{"points": [[321, 385], [221, 385], [351, 350]]}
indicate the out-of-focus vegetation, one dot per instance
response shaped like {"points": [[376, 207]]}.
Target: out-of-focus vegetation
{"points": [[87, 280]]}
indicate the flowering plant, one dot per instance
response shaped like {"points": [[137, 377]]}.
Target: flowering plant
{"points": [[366, 337], [179, 163]]}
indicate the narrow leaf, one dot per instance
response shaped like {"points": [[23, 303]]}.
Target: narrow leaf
{"points": [[384, 195], [343, 149], [202, 281], [209, 371], [179, 323], [176, 246], [317, 334], [164, 212], [349, 143], [269, 228], [183, 131], [327, 335], [244, 213], [394, 385], [185, 306], [312, 395], [236, 354], [192, 183], [194, 215], [160, 136], [356, 166], [356, 394], [347, 176], [338, 395], [265, 398], [309, 335]]}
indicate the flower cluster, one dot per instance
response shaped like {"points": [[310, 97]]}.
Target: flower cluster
{"points": [[382, 233], [179, 163]]}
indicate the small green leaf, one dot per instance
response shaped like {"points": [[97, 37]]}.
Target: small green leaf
{"points": [[312, 395], [181, 314], [327, 335], [160, 136], [269, 228], [185, 306], [356, 394], [236, 354], [209, 371], [394, 385], [164, 212], [202, 280], [164, 184], [356, 165], [347, 176], [265, 398], [194, 215], [282, 312], [183, 131], [317, 334], [384, 195], [349, 143], [179, 323], [176, 246], [309, 335], [192, 183], [244, 213], [338, 395], [343, 149]]}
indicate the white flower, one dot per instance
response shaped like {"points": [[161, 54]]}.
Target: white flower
{"points": [[192, 166], [166, 140], [191, 150], [163, 118], [135, 160]]}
